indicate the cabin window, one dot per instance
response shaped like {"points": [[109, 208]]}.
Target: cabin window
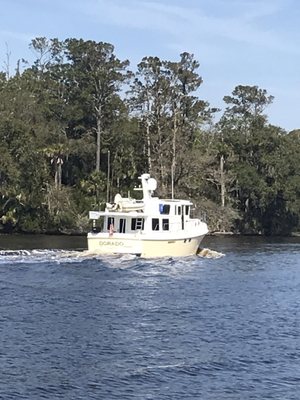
{"points": [[155, 224], [137, 223], [178, 210], [165, 224], [164, 209], [187, 210], [122, 225], [110, 221]]}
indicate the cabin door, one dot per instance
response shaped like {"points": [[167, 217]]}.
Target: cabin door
{"points": [[182, 217]]}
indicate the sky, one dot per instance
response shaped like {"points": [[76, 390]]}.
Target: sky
{"points": [[237, 42]]}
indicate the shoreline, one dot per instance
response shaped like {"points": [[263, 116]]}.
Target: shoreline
{"points": [[83, 234]]}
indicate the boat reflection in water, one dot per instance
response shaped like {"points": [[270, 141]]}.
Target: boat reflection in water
{"points": [[151, 227]]}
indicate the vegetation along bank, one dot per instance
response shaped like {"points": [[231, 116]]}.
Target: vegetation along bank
{"points": [[80, 125]]}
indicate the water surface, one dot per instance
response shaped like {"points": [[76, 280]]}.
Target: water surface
{"points": [[78, 327]]}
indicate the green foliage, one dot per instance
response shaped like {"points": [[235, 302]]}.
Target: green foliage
{"points": [[77, 126], [93, 189]]}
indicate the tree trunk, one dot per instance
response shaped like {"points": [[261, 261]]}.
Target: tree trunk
{"points": [[59, 172], [149, 146], [148, 135], [222, 181], [173, 154], [98, 147], [161, 162]]}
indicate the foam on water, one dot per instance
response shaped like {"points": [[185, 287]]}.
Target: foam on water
{"points": [[115, 261], [39, 255], [208, 253]]}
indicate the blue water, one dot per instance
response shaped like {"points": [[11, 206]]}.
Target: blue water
{"points": [[77, 327]]}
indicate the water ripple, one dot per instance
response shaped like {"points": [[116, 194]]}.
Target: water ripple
{"points": [[74, 326]]}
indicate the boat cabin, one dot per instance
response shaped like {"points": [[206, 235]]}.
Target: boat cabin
{"points": [[159, 215]]}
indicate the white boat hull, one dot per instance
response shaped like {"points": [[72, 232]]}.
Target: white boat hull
{"points": [[146, 248]]}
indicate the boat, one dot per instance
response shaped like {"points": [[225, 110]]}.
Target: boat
{"points": [[150, 227]]}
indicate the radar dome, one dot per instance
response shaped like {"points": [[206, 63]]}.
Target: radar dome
{"points": [[118, 198], [152, 184]]}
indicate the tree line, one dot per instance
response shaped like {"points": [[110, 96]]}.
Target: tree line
{"points": [[78, 126]]}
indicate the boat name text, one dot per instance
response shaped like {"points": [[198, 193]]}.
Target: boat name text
{"points": [[109, 243]]}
